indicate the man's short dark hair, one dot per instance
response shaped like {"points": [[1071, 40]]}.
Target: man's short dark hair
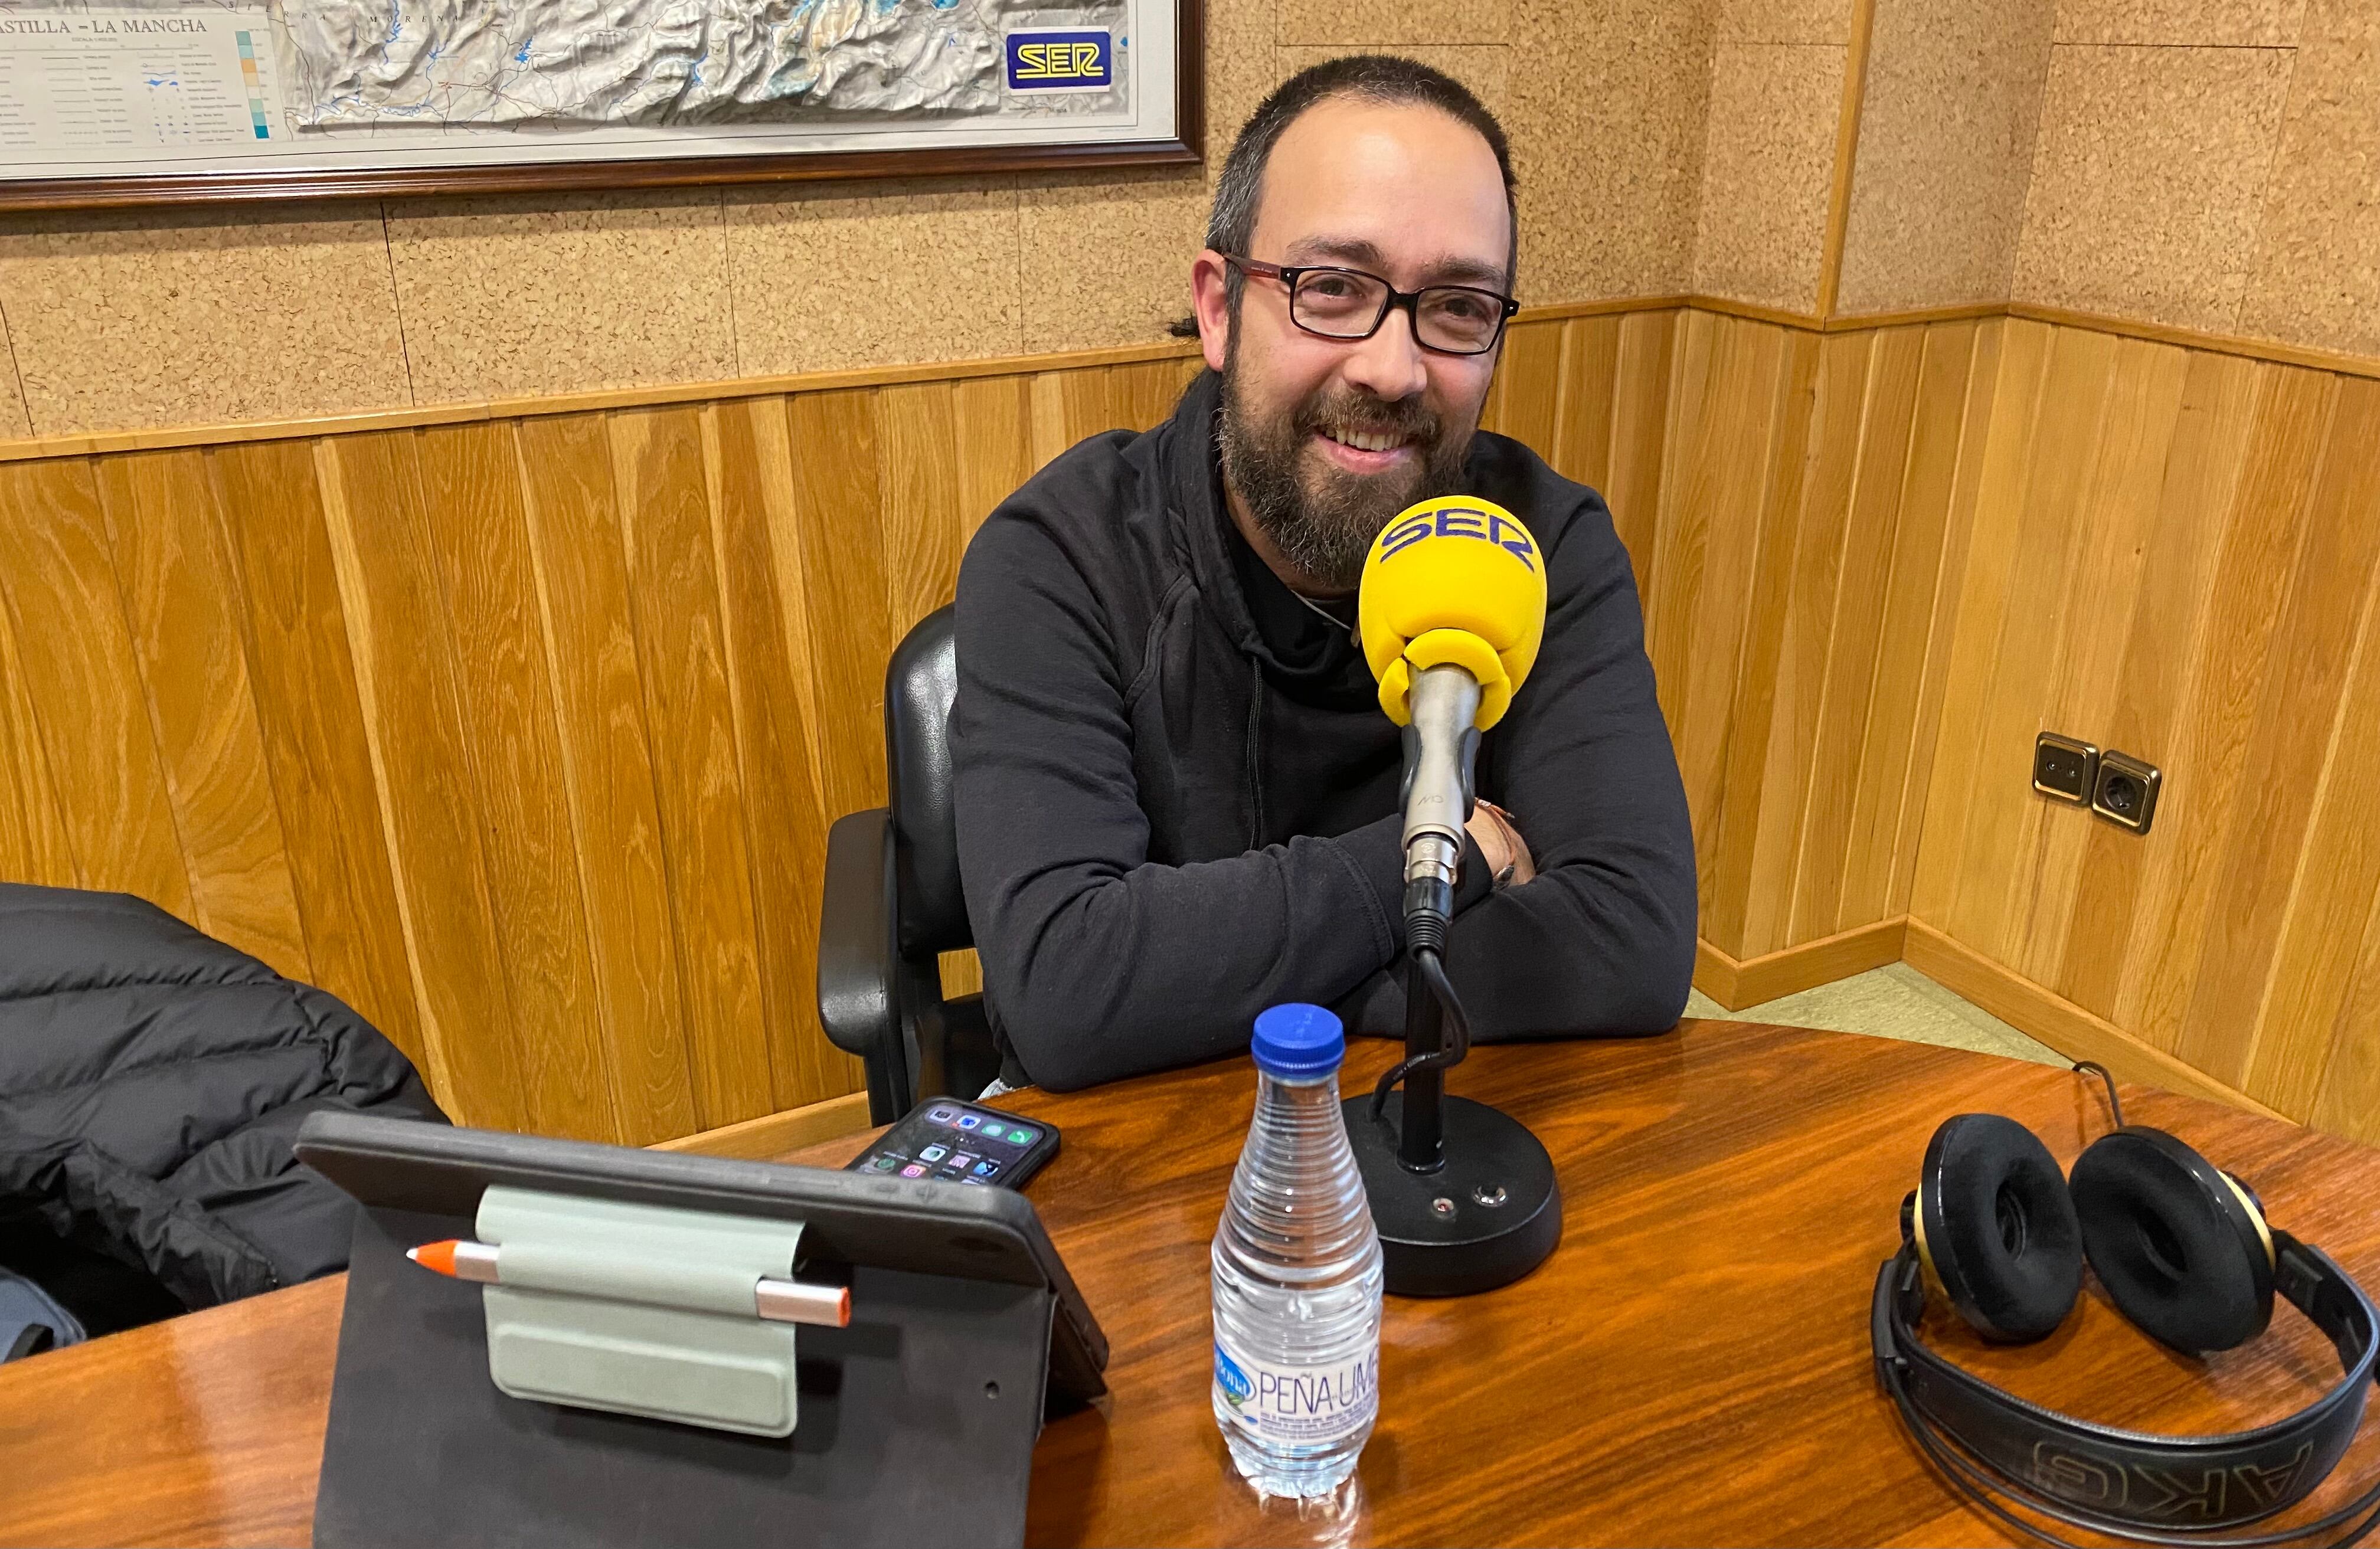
{"points": [[1377, 78]]}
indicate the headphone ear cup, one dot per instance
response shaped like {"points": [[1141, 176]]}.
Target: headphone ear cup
{"points": [[2178, 1248], [1997, 1228]]}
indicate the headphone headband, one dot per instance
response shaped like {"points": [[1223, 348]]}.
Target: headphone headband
{"points": [[2134, 1477]]}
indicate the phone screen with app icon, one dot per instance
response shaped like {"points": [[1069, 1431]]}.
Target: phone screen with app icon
{"points": [[954, 1141]]}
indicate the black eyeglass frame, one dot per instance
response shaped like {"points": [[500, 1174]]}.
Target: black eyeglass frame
{"points": [[1407, 300]]}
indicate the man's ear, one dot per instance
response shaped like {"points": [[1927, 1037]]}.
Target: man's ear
{"points": [[1207, 294]]}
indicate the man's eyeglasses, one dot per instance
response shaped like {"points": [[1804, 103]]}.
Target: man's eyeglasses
{"points": [[1350, 303]]}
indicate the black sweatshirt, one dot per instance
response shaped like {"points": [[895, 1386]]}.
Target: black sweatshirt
{"points": [[1177, 803]]}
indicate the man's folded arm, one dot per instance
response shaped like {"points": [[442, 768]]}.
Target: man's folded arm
{"points": [[1602, 942], [1099, 963]]}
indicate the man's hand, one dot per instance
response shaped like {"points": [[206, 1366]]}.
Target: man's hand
{"points": [[1498, 838]]}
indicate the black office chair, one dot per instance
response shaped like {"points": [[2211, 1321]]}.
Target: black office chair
{"points": [[894, 902]]}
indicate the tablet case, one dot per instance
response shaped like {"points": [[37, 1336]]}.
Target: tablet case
{"points": [[917, 1420]]}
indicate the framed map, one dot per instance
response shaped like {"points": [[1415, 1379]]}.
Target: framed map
{"points": [[143, 102]]}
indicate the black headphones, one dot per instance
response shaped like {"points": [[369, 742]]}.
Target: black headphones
{"points": [[2184, 1251]]}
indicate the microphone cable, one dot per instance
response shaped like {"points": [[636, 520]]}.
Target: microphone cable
{"points": [[1432, 969]]}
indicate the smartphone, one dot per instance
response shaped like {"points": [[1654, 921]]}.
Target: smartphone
{"points": [[961, 1143]]}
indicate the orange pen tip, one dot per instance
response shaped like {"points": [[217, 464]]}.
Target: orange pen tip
{"points": [[438, 1256]]}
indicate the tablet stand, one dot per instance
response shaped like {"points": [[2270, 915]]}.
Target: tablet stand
{"points": [[916, 1425]]}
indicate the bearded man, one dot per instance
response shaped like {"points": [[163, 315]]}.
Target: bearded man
{"points": [[1177, 797]]}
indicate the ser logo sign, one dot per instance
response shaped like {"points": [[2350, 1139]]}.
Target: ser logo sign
{"points": [[1061, 60], [1459, 521]]}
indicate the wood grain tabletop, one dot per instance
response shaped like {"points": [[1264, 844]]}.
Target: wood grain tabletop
{"points": [[1691, 1366]]}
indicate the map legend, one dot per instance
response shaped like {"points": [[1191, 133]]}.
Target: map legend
{"points": [[80, 83]]}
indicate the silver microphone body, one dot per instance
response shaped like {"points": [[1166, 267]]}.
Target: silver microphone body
{"points": [[1438, 791]]}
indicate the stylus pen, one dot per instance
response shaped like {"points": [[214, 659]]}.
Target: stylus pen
{"points": [[777, 1300]]}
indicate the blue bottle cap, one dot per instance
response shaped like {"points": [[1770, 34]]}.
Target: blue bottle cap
{"points": [[1298, 1040]]}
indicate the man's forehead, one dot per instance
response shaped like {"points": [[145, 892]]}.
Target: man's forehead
{"points": [[1385, 186]]}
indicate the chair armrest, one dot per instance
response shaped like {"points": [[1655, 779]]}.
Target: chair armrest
{"points": [[856, 960]]}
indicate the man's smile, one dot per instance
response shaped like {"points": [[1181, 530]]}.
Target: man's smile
{"points": [[1360, 451]]}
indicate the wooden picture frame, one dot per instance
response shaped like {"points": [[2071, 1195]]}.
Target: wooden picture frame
{"points": [[1184, 147]]}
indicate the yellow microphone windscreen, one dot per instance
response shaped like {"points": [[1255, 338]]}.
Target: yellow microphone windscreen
{"points": [[1452, 580]]}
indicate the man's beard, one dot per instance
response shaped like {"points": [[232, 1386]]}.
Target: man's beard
{"points": [[1323, 522]]}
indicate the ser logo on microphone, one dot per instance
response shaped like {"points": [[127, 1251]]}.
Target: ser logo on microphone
{"points": [[1463, 521]]}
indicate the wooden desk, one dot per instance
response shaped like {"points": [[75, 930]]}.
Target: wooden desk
{"points": [[1691, 1367]]}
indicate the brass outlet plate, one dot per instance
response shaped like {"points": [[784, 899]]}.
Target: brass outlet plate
{"points": [[2125, 792], [2064, 769]]}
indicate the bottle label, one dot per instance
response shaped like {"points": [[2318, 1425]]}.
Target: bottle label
{"points": [[1299, 1405]]}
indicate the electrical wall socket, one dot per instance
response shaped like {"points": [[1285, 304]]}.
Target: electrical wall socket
{"points": [[2125, 792], [2064, 769]]}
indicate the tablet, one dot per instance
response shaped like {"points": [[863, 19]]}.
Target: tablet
{"points": [[965, 1330]]}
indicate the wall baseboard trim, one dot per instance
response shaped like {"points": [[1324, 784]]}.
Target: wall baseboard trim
{"points": [[97, 442], [2060, 1024], [1754, 981], [772, 1134]]}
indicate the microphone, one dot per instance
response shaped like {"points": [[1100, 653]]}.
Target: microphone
{"points": [[1451, 609]]}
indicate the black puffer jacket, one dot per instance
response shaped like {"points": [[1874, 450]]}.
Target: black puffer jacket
{"points": [[151, 1079]]}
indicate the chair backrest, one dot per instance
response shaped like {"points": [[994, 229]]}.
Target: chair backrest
{"points": [[918, 687]]}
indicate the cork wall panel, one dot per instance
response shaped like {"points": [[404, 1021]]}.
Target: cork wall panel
{"points": [[519, 296], [1784, 21], [1606, 115], [1944, 152], [824, 277], [151, 317], [1767, 168], [2316, 281], [2184, 23], [1106, 259], [14, 420], [2148, 181], [1394, 23]]}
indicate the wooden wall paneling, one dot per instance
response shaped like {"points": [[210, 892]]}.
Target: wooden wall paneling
{"points": [[664, 487], [404, 658], [2122, 873], [2348, 1102], [1702, 570], [1905, 610], [918, 472], [2120, 485], [579, 559], [1819, 491], [478, 539], [2003, 820], [1856, 640], [839, 521], [1586, 379], [75, 651], [1522, 401], [2263, 534], [166, 534], [2297, 1031], [750, 459], [2291, 746], [1942, 627], [34, 843], [1641, 402], [1880, 845], [2019, 374], [995, 451], [1047, 423], [1725, 875], [293, 624]]}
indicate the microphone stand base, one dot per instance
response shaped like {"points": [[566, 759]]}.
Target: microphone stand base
{"points": [[1486, 1218]]}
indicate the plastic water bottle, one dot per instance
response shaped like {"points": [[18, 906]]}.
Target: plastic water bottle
{"points": [[1297, 1273]]}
